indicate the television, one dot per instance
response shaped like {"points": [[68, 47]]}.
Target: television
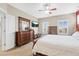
{"points": [[35, 24]]}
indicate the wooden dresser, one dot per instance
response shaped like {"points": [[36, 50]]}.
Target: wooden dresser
{"points": [[24, 37]]}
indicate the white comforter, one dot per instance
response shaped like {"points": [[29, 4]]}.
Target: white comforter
{"points": [[57, 45]]}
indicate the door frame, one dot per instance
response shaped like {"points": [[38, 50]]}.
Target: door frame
{"points": [[3, 33], [5, 46]]}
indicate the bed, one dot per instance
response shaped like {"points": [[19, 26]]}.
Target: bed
{"points": [[57, 45]]}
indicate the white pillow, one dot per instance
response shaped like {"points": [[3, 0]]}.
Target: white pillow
{"points": [[76, 35]]}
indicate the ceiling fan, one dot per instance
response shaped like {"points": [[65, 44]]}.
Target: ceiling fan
{"points": [[47, 8]]}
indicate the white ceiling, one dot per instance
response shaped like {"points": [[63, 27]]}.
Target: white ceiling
{"points": [[32, 8]]}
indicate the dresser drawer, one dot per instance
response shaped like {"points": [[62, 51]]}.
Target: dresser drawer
{"points": [[23, 37]]}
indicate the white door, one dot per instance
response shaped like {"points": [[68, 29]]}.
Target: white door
{"points": [[0, 31], [3, 32], [9, 32], [45, 25]]}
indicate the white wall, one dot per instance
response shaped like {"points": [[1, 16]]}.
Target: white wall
{"points": [[53, 21], [16, 12]]}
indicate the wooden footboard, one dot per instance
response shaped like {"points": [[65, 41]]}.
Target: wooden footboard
{"points": [[39, 54]]}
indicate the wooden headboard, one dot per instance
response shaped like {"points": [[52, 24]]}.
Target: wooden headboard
{"points": [[52, 30]]}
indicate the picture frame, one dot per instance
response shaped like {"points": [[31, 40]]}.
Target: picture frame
{"points": [[23, 24]]}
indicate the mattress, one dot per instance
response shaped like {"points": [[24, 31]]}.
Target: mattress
{"points": [[55, 45]]}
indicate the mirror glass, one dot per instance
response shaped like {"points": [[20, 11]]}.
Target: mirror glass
{"points": [[24, 24]]}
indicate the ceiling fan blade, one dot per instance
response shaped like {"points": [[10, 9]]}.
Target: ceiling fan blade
{"points": [[41, 10], [54, 9]]}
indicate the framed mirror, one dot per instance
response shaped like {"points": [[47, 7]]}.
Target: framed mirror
{"points": [[24, 24]]}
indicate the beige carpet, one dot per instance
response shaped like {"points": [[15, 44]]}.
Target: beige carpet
{"points": [[25, 50]]}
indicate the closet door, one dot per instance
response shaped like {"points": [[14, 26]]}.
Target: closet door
{"points": [[0, 32], [9, 32], [3, 33]]}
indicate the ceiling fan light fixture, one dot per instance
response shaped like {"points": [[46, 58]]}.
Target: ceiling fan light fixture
{"points": [[48, 12], [49, 8]]}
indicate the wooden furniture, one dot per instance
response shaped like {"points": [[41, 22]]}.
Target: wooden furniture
{"points": [[23, 24], [77, 21], [52, 30], [24, 34], [39, 54], [24, 37]]}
